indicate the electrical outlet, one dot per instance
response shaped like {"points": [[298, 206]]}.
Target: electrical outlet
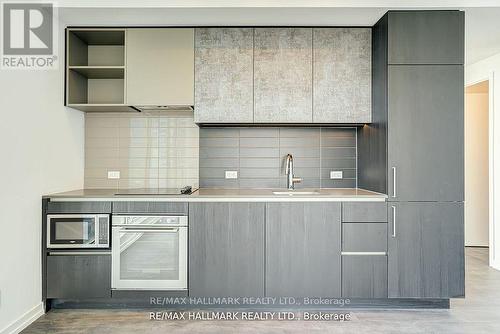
{"points": [[113, 174], [231, 174], [336, 174]]}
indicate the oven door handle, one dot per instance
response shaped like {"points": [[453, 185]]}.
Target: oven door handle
{"points": [[152, 230], [143, 226]]}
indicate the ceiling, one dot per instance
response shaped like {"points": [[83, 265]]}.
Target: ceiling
{"points": [[482, 33], [482, 23]]}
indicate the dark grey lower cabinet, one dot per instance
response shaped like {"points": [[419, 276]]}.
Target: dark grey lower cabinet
{"points": [[226, 249], [303, 249], [78, 276], [364, 237], [364, 276], [426, 250]]}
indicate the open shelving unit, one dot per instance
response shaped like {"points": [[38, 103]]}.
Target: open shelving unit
{"points": [[95, 69]]}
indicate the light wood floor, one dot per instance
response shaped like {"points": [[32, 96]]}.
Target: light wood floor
{"points": [[478, 313]]}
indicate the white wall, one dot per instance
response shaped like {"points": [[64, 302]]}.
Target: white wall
{"points": [[476, 168], [41, 151], [489, 69]]}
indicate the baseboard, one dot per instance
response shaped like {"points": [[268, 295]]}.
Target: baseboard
{"points": [[24, 321]]}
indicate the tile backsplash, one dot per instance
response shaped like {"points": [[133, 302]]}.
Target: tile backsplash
{"points": [[150, 150], [167, 149], [258, 155]]}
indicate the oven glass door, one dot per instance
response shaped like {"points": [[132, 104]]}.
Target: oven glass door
{"points": [[71, 231], [149, 258]]}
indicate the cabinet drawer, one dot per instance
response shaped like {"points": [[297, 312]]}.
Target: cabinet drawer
{"points": [[364, 276], [364, 237], [151, 207], [79, 207], [375, 212], [78, 276]]}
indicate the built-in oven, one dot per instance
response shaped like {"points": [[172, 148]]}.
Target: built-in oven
{"points": [[149, 252], [78, 231]]}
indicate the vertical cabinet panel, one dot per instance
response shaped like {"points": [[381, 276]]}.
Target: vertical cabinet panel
{"points": [[342, 75], [303, 249], [226, 249], [425, 133], [283, 75], [426, 250], [78, 276], [160, 66], [223, 75], [426, 37]]}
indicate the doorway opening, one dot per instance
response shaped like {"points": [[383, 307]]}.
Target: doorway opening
{"points": [[477, 165]]}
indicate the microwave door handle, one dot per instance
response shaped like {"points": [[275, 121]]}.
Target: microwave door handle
{"points": [[96, 230]]}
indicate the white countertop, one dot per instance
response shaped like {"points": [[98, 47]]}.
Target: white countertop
{"points": [[226, 195]]}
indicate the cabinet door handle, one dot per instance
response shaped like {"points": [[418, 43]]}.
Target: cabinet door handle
{"points": [[393, 221], [393, 181]]}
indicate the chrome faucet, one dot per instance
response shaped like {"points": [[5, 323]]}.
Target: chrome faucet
{"points": [[290, 180]]}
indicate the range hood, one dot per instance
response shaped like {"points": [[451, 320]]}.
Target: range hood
{"points": [[164, 108]]}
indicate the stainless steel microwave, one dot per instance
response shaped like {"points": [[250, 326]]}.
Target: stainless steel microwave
{"points": [[78, 231]]}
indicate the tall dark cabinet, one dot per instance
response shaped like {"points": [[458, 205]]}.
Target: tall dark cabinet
{"points": [[414, 149]]}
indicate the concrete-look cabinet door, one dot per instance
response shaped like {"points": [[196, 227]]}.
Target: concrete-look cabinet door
{"points": [[226, 249], [342, 75], [426, 133], [160, 66], [426, 250], [303, 249], [426, 37], [223, 75], [283, 75]]}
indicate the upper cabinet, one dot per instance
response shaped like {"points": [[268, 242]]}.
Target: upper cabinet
{"points": [[160, 66], [342, 75], [223, 75], [116, 69], [229, 75], [426, 37], [283, 75], [95, 69]]}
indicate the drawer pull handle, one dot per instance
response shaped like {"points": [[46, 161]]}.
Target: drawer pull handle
{"points": [[393, 221], [394, 182]]}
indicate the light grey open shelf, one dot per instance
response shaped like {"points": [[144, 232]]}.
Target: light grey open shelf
{"points": [[85, 90], [102, 107], [100, 72], [95, 73], [100, 47]]}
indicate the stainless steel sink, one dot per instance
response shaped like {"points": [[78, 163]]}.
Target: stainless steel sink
{"points": [[295, 192]]}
